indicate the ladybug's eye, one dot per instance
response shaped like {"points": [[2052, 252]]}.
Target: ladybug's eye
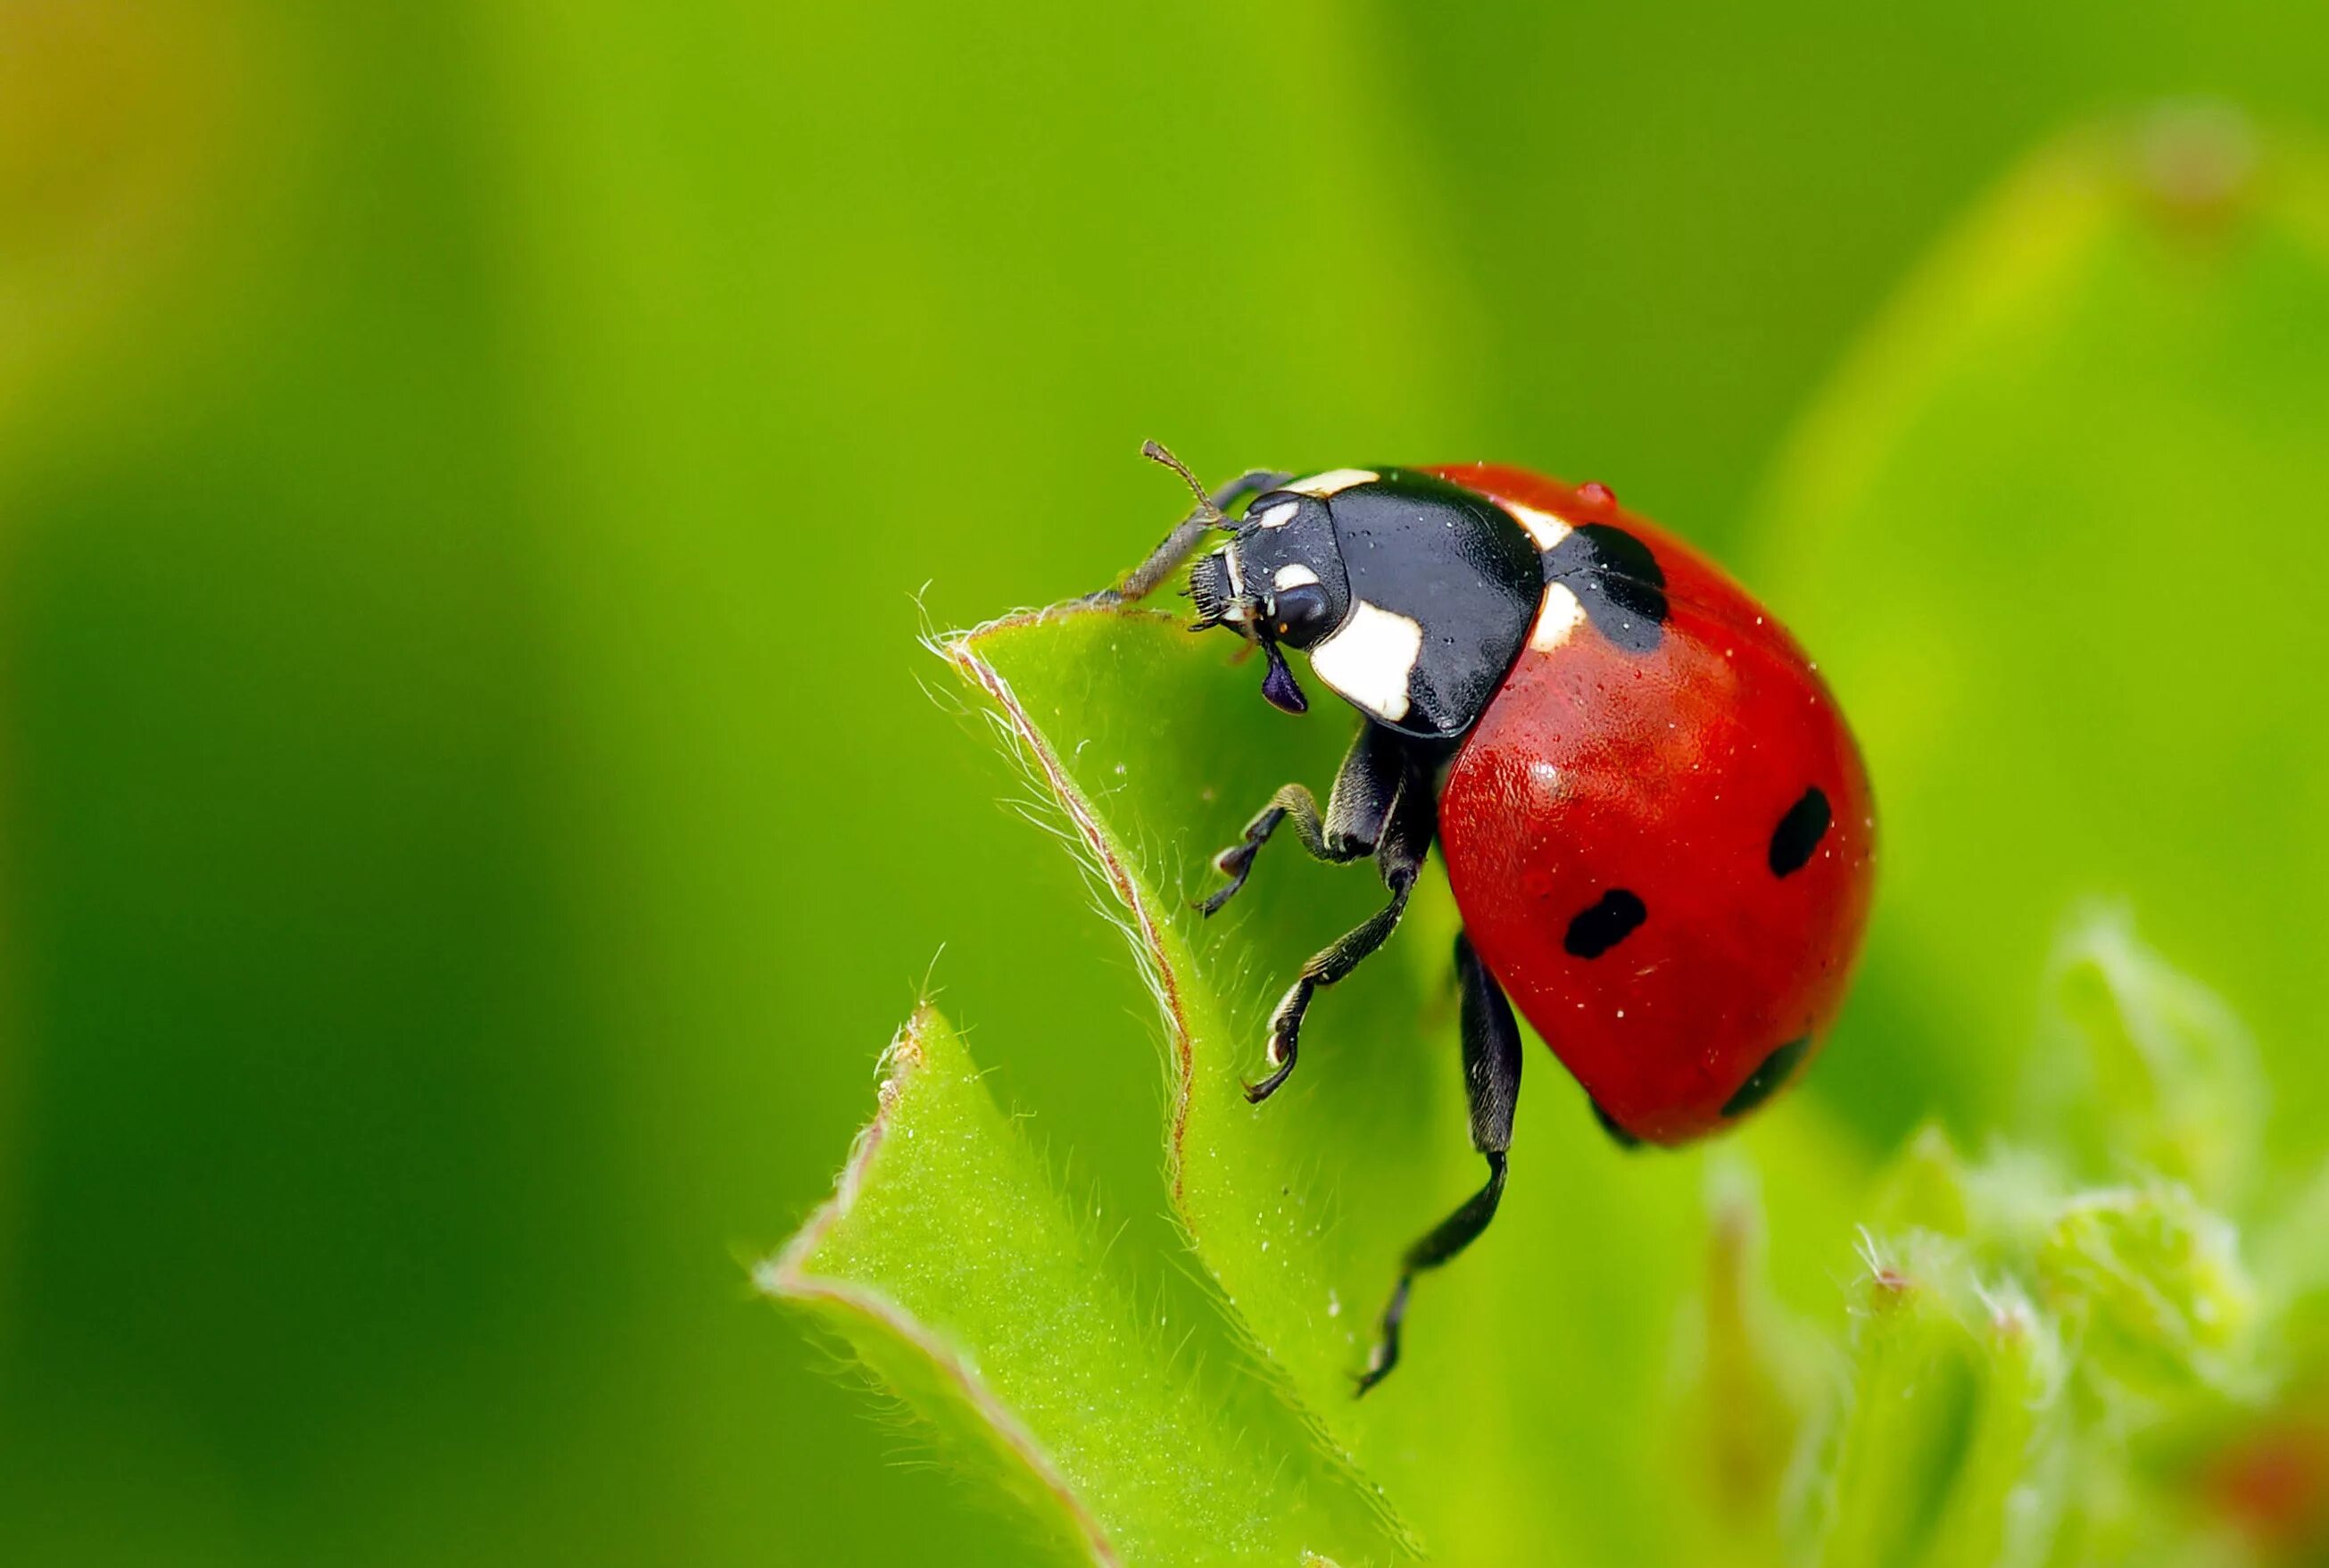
{"points": [[1299, 615]]}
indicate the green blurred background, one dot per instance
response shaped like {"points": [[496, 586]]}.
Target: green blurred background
{"points": [[473, 477]]}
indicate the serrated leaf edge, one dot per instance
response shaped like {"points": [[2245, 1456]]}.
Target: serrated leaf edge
{"points": [[1148, 950], [1155, 964], [787, 1277]]}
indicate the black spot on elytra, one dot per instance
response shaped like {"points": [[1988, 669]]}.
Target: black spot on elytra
{"points": [[1617, 580], [1602, 925], [1618, 1135], [1799, 833], [1768, 1079]]}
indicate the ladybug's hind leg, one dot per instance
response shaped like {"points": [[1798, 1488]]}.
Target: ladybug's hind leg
{"points": [[1358, 811], [1491, 1083]]}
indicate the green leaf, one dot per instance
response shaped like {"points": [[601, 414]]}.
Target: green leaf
{"points": [[2144, 1068], [962, 1281], [1555, 1333], [1943, 1453], [2054, 533], [2037, 1367], [2157, 1283], [1753, 1372]]}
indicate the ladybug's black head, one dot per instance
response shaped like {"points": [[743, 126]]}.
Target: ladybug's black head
{"points": [[1280, 582], [1412, 595]]}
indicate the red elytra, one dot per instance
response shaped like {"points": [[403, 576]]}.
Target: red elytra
{"points": [[1663, 775]]}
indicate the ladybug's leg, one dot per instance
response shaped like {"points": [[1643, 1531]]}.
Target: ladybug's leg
{"points": [[1492, 1082], [1398, 855], [1366, 789], [1182, 543]]}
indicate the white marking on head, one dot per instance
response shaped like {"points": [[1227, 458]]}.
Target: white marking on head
{"points": [[1295, 576], [1280, 516], [1543, 527], [1236, 571], [1368, 659], [1333, 480], [1557, 616]]}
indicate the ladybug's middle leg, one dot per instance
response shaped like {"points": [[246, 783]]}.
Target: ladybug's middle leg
{"points": [[1398, 855], [1491, 1083]]}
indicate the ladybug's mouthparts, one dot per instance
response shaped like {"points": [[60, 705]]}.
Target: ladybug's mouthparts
{"points": [[1213, 586], [1278, 685]]}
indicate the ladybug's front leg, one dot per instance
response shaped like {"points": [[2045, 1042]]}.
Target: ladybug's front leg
{"points": [[1183, 542], [1358, 809], [1398, 855], [1491, 1083]]}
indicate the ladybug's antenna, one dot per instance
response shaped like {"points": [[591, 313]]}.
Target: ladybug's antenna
{"points": [[1157, 452]]}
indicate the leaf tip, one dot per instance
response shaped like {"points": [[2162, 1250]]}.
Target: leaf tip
{"points": [[785, 1275]]}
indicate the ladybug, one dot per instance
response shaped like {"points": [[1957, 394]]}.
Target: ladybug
{"points": [[1656, 824]]}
